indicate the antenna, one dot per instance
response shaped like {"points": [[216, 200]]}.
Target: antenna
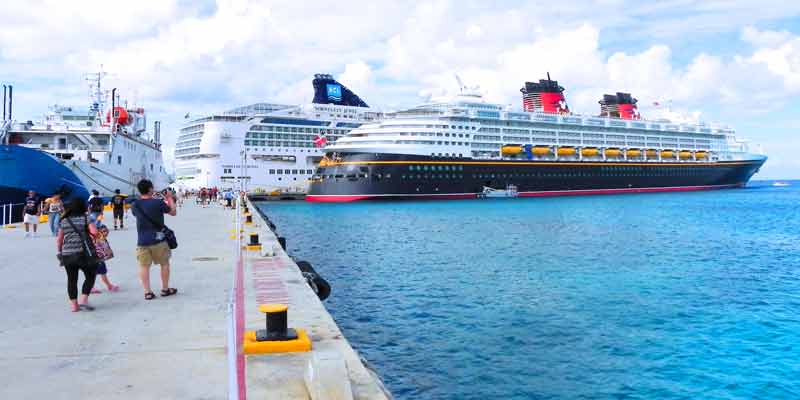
{"points": [[548, 75], [461, 85], [96, 93]]}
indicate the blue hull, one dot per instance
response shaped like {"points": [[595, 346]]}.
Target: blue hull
{"points": [[23, 169]]}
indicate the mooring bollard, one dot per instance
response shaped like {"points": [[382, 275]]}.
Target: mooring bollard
{"points": [[277, 337], [253, 244]]}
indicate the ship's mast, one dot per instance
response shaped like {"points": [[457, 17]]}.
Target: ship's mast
{"points": [[96, 94]]}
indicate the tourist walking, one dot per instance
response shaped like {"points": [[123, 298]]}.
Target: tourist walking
{"points": [[95, 207], [31, 213], [151, 243], [74, 235], [55, 207], [118, 205]]}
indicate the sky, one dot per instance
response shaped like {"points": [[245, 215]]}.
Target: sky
{"points": [[731, 61]]}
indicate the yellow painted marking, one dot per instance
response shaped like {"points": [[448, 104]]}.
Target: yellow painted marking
{"points": [[301, 344], [273, 308], [253, 247]]}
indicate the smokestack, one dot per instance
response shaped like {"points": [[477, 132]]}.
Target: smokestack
{"points": [[113, 118], [5, 89], [10, 100], [157, 132]]}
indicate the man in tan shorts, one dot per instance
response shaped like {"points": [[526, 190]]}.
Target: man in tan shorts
{"points": [[152, 247]]}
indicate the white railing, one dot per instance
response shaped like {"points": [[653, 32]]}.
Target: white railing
{"points": [[7, 213]]}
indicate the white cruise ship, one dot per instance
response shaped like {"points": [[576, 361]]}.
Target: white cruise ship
{"points": [[267, 147]]}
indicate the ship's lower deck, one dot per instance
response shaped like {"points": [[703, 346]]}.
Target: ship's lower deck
{"points": [[387, 176]]}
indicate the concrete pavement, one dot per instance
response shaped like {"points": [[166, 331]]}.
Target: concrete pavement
{"points": [[167, 348]]}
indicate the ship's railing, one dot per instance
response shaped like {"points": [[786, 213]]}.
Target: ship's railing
{"points": [[8, 215]]}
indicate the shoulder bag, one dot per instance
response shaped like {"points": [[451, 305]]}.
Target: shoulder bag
{"points": [[169, 234], [89, 251]]}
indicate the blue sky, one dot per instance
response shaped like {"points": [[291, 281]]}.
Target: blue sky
{"points": [[731, 61]]}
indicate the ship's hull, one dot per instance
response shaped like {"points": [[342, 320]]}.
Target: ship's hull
{"points": [[23, 169], [393, 176]]}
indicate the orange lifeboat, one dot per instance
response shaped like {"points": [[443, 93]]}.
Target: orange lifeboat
{"points": [[511, 150], [613, 152], [667, 154], [120, 114], [651, 153], [685, 155], [701, 155], [566, 151], [542, 150], [590, 152], [633, 153]]}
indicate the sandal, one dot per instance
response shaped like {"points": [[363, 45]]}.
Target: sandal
{"points": [[149, 296], [113, 288], [168, 292]]}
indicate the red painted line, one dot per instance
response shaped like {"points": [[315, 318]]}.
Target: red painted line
{"points": [[346, 198], [239, 315]]}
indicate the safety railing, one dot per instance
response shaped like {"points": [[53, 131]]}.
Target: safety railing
{"points": [[237, 389], [11, 213]]}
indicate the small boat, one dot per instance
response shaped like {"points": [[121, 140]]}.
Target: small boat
{"points": [[780, 184], [491, 193]]}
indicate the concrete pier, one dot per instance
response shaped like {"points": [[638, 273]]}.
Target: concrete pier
{"points": [[166, 348]]}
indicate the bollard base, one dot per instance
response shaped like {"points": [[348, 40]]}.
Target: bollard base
{"points": [[252, 346]]}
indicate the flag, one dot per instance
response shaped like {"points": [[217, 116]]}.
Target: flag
{"points": [[320, 141]]}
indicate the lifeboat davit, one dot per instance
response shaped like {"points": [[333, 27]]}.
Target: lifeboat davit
{"points": [[590, 152], [651, 153], [701, 155], [612, 152], [685, 155], [633, 153], [566, 151], [667, 154], [120, 114], [511, 150], [542, 150]]}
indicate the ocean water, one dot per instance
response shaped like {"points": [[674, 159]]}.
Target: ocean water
{"points": [[668, 296]]}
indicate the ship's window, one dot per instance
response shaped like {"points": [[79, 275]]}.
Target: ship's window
{"points": [[280, 171], [119, 160], [309, 171]]}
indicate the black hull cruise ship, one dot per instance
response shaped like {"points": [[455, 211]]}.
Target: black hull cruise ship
{"points": [[463, 148]]}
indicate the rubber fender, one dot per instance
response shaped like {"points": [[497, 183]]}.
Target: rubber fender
{"points": [[317, 283], [305, 266], [282, 242], [323, 288]]}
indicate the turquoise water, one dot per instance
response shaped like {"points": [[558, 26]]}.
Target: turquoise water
{"points": [[669, 296]]}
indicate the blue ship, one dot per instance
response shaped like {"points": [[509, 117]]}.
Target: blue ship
{"points": [[23, 169]]}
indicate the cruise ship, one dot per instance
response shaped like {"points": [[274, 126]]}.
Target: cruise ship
{"points": [[72, 150], [463, 147], [267, 147]]}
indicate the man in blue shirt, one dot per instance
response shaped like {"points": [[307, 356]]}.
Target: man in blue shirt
{"points": [[152, 247]]}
